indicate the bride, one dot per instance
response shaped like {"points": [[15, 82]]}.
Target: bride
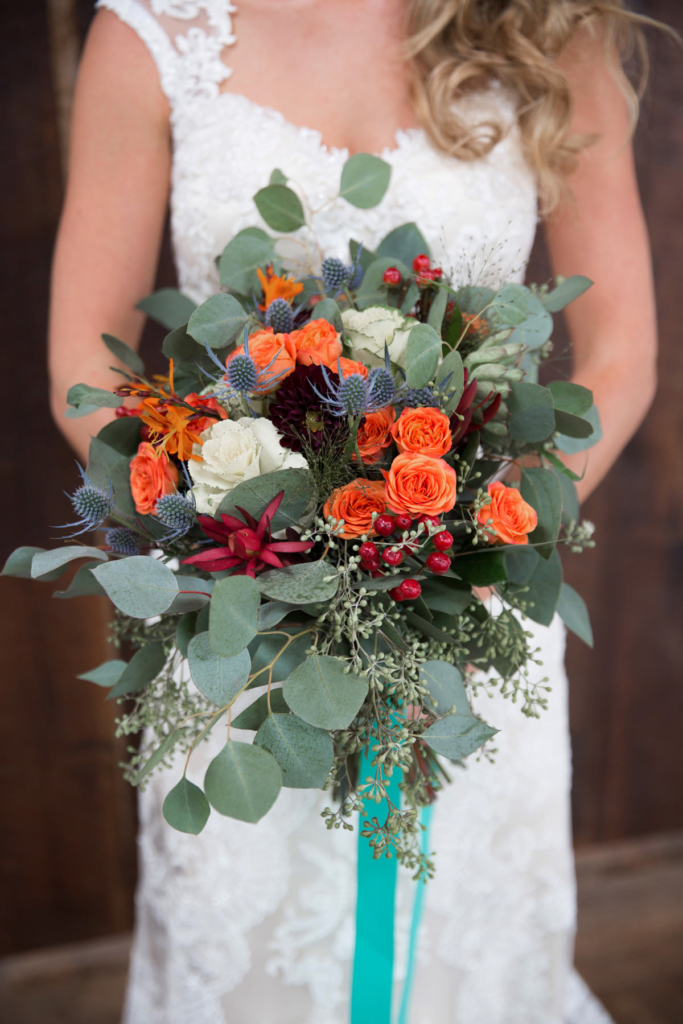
{"points": [[482, 108]]}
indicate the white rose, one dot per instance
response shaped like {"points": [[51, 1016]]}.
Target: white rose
{"points": [[233, 451], [369, 330]]}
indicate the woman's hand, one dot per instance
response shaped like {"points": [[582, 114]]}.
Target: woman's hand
{"points": [[110, 231]]}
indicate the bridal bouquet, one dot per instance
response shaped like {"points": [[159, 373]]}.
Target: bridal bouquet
{"points": [[300, 511]]}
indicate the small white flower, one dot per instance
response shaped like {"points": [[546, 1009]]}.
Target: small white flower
{"points": [[369, 330], [233, 451]]}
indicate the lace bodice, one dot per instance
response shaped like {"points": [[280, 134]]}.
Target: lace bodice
{"points": [[253, 924], [479, 217]]}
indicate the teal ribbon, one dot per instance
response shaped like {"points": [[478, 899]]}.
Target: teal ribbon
{"points": [[373, 962]]}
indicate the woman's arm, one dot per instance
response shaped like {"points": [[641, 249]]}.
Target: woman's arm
{"points": [[600, 232], [113, 217]]}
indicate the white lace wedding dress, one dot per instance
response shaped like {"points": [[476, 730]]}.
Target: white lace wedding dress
{"points": [[254, 924]]}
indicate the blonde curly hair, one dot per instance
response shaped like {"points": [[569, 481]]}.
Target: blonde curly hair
{"points": [[458, 45]]}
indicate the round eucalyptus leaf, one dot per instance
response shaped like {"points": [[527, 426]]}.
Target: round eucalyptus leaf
{"points": [[321, 693], [280, 208], [217, 321], [139, 586], [305, 583], [304, 753], [233, 619], [364, 180], [241, 257], [422, 355], [445, 686], [243, 781], [186, 808], [457, 736], [220, 679]]}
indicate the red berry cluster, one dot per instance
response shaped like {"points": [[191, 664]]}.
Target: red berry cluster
{"points": [[422, 265], [385, 525]]}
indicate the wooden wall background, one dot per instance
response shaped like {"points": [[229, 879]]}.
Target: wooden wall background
{"points": [[67, 856]]}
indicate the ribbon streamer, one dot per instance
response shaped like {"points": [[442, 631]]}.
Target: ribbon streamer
{"points": [[373, 962]]}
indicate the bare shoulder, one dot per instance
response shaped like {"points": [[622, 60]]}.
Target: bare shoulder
{"points": [[117, 64]]}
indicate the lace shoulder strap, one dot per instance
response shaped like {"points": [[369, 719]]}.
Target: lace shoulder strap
{"points": [[186, 39]]}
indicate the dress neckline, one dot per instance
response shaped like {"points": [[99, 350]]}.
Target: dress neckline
{"points": [[402, 136]]}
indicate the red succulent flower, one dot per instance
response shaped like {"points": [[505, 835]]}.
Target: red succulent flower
{"points": [[461, 428], [247, 547]]}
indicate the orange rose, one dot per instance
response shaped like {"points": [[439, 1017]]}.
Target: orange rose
{"points": [[512, 517], [374, 434], [317, 342], [152, 474], [274, 351], [420, 485], [424, 431], [349, 366], [355, 504]]}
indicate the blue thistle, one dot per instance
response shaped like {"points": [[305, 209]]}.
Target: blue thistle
{"points": [[356, 279], [355, 395], [91, 504], [335, 274], [415, 398], [279, 316], [123, 541], [241, 374], [177, 512]]}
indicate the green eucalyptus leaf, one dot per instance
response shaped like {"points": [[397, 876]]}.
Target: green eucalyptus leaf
{"points": [[272, 612], [327, 309], [193, 594], [304, 753], [410, 298], [364, 180], [124, 353], [280, 208], [143, 667], [521, 562], [572, 609], [243, 781], [452, 371], [220, 679], [422, 356], [108, 468], [367, 256], [300, 584], [185, 630], [446, 688], [106, 674], [255, 495], [168, 307], [45, 563], [233, 619], [540, 488], [186, 808], [544, 589], [437, 310], [572, 426], [255, 715], [19, 564], [532, 413], [139, 586], [266, 649], [571, 445], [446, 595], [565, 292], [277, 177], [239, 261], [403, 243], [482, 568], [83, 394], [122, 435], [217, 321], [159, 754], [570, 500], [571, 398], [457, 736], [83, 584], [322, 694], [428, 629], [373, 291]]}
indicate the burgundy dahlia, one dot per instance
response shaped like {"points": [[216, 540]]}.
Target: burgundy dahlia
{"points": [[299, 412]]}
